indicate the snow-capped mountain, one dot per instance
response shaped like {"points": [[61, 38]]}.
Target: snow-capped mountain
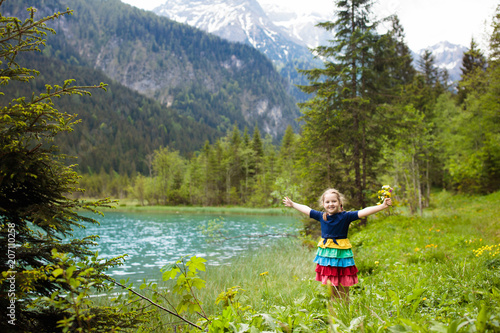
{"points": [[301, 26], [280, 33], [239, 21], [447, 56]]}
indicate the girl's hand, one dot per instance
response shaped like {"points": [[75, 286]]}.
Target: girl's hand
{"points": [[287, 202], [387, 202]]}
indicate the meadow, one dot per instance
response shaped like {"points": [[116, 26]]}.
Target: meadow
{"points": [[435, 273]]}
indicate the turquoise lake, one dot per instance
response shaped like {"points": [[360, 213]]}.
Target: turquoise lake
{"points": [[152, 240]]}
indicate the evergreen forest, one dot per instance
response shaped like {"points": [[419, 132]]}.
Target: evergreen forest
{"points": [[373, 117], [376, 117], [201, 76]]}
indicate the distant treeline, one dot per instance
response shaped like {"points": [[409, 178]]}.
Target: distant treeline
{"points": [[238, 169], [375, 118]]}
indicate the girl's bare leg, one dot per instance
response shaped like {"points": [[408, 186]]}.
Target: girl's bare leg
{"points": [[340, 292]]}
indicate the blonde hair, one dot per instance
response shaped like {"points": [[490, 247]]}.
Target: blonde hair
{"points": [[340, 197]]}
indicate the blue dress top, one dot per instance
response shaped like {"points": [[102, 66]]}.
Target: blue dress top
{"points": [[336, 226]]}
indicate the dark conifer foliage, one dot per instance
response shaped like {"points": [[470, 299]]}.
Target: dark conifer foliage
{"points": [[341, 109], [473, 59], [120, 124], [474, 64], [43, 268]]}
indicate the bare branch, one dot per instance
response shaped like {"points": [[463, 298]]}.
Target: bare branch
{"points": [[156, 304]]}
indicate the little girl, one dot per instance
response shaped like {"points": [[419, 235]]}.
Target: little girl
{"points": [[334, 257]]}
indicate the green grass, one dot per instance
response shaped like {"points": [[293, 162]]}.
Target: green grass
{"points": [[422, 274], [436, 273]]}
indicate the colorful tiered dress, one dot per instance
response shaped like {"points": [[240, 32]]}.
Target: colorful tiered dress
{"points": [[334, 257]]}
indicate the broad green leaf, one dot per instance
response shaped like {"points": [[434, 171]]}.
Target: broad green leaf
{"points": [[170, 274], [74, 283], [198, 283], [196, 263], [69, 271], [57, 272], [482, 317]]}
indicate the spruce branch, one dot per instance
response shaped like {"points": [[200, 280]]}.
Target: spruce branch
{"points": [[154, 303]]}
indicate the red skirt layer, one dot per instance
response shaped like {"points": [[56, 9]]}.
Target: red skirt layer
{"points": [[345, 276], [336, 271], [346, 281]]}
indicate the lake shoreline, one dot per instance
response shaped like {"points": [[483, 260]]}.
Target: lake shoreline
{"points": [[131, 206]]}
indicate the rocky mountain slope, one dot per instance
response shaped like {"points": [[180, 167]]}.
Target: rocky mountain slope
{"points": [[300, 26], [279, 32], [169, 83], [447, 57], [241, 21], [203, 77]]}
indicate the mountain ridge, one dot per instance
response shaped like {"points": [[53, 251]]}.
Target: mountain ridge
{"points": [[242, 21], [169, 62], [169, 83], [447, 56], [299, 27]]}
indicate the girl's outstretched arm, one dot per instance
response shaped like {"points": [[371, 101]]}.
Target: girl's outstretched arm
{"points": [[301, 208], [374, 209]]}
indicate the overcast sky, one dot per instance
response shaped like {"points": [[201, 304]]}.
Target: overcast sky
{"points": [[426, 22]]}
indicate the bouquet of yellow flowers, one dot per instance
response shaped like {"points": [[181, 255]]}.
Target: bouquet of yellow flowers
{"points": [[385, 192]]}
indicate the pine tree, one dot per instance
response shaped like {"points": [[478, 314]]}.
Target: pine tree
{"points": [[258, 148], [39, 265], [472, 60], [434, 78], [475, 163], [473, 65], [393, 64], [426, 66], [494, 56], [336, 118]]}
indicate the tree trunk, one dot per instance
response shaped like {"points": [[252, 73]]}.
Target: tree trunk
{"points": [[419, 189]]}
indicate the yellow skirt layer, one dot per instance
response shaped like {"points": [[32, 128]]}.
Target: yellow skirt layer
{"points": [[342, 243]]}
